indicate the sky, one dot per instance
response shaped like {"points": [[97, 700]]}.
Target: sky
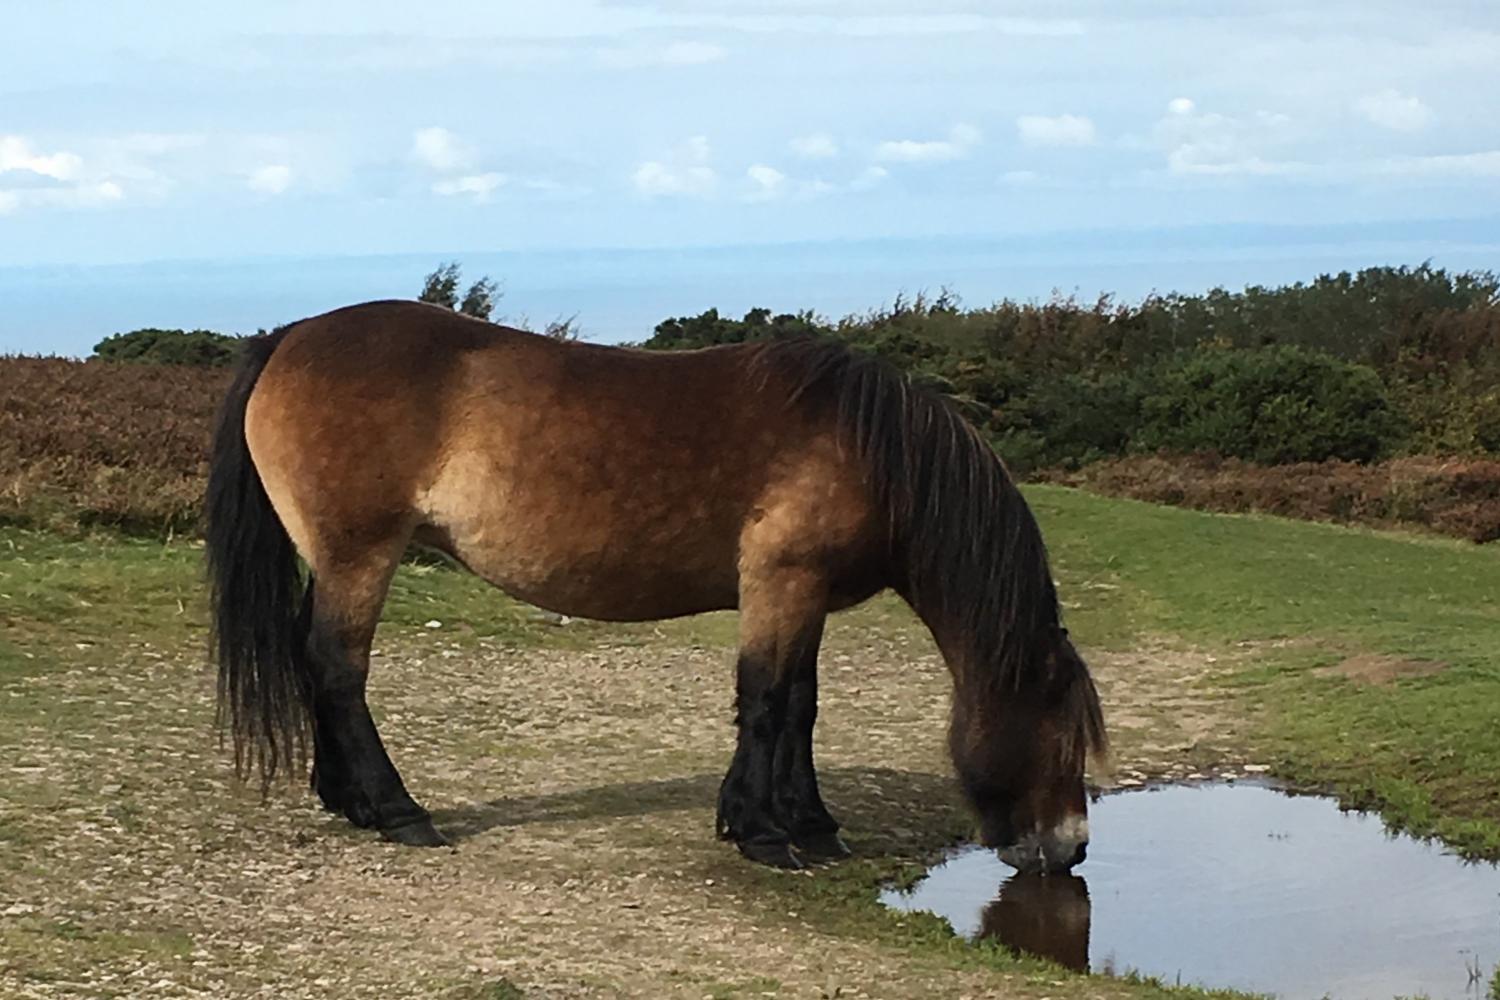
{"points": [[172, 163]]}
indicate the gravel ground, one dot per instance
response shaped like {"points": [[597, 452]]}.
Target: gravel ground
{"points": [[578, 786]]}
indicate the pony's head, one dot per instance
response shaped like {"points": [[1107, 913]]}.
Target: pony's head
{"points": [[1020, 752]]}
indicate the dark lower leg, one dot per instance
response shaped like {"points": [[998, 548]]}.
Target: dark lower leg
{"points": [[799, 804], [747, 813], [353, 773]]}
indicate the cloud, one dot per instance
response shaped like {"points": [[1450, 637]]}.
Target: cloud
{"points": [[1019, 178], [684, 172], [273, 178], [1062, 130], [1213, 145], [769, 182], [480, 186], [29, 178], [690, 53], [440, 149], [1393, 110], [1484, 164], [89, 194], [961, 138], [817, 146], [16, 155]]}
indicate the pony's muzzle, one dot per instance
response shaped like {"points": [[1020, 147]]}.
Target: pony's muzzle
{"points": [[1049, 852]]}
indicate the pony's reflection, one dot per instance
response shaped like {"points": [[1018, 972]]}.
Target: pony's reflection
{"points": [[1043, 915]]}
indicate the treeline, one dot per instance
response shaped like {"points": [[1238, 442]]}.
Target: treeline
{"points": [[1198, 400], [1387, 361]]}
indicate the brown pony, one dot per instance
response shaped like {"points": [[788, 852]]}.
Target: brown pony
{"points": [[787, 479]]}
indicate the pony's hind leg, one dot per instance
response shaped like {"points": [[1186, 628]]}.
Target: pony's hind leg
{"points": [[781, 622], [353, 774]]}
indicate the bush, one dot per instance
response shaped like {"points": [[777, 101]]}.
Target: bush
{"points": [[151, 346], [102, 443], [1458, 497], [1270, 405]]}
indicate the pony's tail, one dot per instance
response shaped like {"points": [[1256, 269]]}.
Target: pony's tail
{"points": [[259, 634]]}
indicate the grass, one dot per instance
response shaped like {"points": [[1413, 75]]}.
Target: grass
{"points": [[1290, 596], [1277, 598]]}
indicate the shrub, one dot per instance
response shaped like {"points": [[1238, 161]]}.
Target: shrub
{"points": [[97, 442], [151, 346], [1270, 405], [1459, 497]]}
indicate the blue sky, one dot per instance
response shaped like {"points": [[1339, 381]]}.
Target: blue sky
{"points": [[309, 133]]}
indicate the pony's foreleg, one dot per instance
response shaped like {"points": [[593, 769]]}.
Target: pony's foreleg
{"points": [[781, 622], [353, 773], [799, 803]]}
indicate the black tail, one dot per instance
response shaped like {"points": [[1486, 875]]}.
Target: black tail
{"points": [[258, 633]]}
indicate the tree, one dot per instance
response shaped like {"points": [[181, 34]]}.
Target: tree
{"points": [[441, 289], [479, 300], [203, 348]]}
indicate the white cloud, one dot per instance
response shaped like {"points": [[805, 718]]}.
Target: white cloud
{"points": [[1485, 164], [868, 178], [961, 138], [440, 149], [1019, 178], [273, 178], [16, 154], [1061, 130], [1188, 160], [29, 178], [88, 194], [1214, 145], [904, 25], [1181, 106], [1393, 110], [684, 172], [817, 146], [480, 186], [691, 53], [769, 182]]}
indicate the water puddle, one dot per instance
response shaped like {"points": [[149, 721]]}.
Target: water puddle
{"points": [[1238, 885]]}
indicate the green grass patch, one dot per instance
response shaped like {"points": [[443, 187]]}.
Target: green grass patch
{"points": [[1295, 596]]}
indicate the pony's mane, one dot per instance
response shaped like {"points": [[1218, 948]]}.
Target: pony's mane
{"points": [[966, 549]]}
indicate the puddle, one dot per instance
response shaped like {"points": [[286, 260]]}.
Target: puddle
{"points": [[1238, 885]]}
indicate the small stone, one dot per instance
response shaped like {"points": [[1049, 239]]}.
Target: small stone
{"points": [[1256, 768], [434, 624]]}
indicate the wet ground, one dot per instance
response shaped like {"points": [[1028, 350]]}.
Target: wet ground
{"points": [[1238, 885]]}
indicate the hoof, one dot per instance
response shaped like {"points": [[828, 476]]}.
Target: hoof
{"points": [[772, 854], [822, 846], [420, 833]]}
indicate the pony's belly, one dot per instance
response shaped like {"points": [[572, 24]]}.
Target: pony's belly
{"points": [[612, 592], [622, 581]]}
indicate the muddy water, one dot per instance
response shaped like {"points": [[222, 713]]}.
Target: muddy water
{"points": [[1240, 886]]}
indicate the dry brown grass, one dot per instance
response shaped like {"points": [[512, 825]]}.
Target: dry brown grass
{"points": [[1452, 496], [126, 446], [103, 443]]}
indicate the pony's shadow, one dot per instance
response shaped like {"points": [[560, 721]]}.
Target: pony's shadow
{"points": [[887, 807]]}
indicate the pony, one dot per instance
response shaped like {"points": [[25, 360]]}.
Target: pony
{"points": [[787, 479]]}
